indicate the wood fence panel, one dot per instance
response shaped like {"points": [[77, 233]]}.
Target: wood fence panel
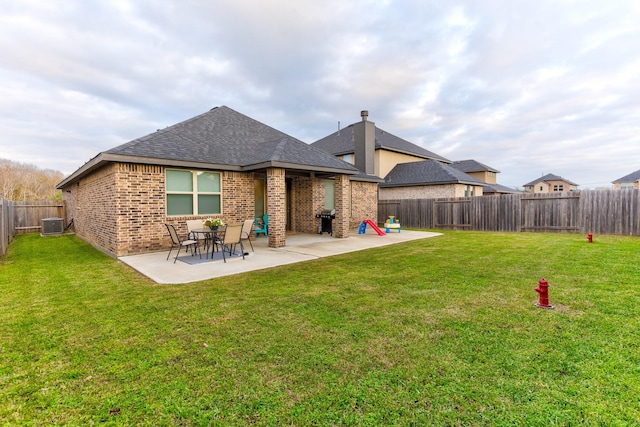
{"points": [[7, 227], [454, 213], [550, 212], [586, 211], [29, 215]]}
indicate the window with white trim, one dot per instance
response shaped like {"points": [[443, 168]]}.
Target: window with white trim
{"points": [[193, 192], [558, 187]]}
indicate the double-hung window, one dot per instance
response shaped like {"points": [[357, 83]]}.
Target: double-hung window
{"points": [[193, 192]]}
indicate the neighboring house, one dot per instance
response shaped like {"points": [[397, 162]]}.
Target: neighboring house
{"points": [[485, 174], [409, 171], [373, 150], [550, 183], [218, 164], [628, 181], [428, 179]]}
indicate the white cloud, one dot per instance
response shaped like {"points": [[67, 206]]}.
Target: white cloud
{"points": [[522, 86]]}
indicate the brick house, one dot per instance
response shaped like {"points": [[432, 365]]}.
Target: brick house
{"points": [[218, 164], [550, 183]]}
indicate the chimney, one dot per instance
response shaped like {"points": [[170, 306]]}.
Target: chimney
{"points": [[364, 139]]}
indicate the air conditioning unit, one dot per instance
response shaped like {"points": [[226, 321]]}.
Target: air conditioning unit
{"points": [[52, 226]]}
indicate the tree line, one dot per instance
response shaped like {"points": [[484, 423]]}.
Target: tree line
{"points": [[24, 182]]}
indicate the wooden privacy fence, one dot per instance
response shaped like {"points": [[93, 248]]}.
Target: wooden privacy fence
{"points": [[25, 217], [28, 215], [585, 211], [7, 229]]}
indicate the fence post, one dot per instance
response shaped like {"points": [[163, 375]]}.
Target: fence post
{"points": [[7, 228]]}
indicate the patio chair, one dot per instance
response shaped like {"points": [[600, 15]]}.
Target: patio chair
{"points": [[232, 237], [176, 241], [247, 226], [195, 224], [262, 228]]}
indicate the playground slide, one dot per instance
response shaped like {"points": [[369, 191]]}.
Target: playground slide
{"points": [[375, 227]]}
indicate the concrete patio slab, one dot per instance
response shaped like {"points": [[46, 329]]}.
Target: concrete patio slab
{"points": [[300, 247]]}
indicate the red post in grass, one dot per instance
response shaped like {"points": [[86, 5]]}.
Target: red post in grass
{"points": [[590, 237], [543, 290]]}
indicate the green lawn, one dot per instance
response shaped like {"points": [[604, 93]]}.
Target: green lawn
{"points": [[442, 331]]}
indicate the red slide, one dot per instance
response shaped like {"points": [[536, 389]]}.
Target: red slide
{"points": [[375, 227]]}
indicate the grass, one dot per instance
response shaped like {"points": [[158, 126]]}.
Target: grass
{"points": [[441, 331]]}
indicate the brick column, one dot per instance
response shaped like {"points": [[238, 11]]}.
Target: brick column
{"points": [[343, 206], [276, 207]]}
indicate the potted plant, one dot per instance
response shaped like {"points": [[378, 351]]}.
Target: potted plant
{"points": [[213, 223]]}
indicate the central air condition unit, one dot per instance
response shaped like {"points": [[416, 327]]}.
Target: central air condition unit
{"points": [[52, 226]]}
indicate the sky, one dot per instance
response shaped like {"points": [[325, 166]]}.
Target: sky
{"points": [[525, 87]]}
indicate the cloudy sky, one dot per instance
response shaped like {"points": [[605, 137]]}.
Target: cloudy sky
{"points": [[527, 87]]}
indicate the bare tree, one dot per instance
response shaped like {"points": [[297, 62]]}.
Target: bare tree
{"points": [[20, 182]]}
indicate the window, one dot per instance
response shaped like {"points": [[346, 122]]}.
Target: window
{"points": [[193, 192], [329, 194], [469, 191], [558, 187], [348, 158], [626, 185]]}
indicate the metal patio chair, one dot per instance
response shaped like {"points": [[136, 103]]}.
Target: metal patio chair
{"points": [[180, 243], [247, 226], [232, 237]]}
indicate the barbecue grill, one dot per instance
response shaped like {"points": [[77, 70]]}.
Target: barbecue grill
{"points": [[327, 216]]}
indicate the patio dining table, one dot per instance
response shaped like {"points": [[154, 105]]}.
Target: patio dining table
{"points": [[210, 236]]}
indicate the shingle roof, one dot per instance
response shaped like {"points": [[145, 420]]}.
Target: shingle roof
{"points": [[225, 137], [341, 142], [550, 177], [632, 177], [427, 172], [220, 139], [472, 166], [497, 188]]}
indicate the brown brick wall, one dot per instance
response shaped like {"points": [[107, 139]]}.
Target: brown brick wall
{"points": [[276, 206], [120, 208], [305, 199], [91, 204], [343, 206], [364, 202]]}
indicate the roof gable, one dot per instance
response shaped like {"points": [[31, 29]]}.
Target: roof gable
{"points": [[427, 172], [341, 142]]}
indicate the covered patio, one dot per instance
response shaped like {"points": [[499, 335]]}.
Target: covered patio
{"points": [[299, 247]]}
